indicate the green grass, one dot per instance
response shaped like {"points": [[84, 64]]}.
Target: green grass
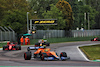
{"points": [[2, 44], [66, 39], [58, 40], [92, 52]]}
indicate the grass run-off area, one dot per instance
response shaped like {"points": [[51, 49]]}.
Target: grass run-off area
{"points": [[2, 44], [66, 39], [92, 52], [57, 40]]}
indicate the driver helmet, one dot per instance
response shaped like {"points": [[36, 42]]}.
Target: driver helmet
{"points": [[40, 44], [46, 50], [42, 40]]}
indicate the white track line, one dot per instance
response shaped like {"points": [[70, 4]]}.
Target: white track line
{"points": [[82, 52]]}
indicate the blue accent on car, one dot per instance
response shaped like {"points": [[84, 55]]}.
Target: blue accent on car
{"points": [[32, 48], [49, 58], [63, 58]]}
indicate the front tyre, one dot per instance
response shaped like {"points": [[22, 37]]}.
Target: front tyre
{"points": [[63, 54], [43, 55], [27, 55]]}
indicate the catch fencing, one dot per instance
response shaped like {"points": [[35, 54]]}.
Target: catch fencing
{"points": [[63, 33], [85, 33], [7, 34], [48, 34]]}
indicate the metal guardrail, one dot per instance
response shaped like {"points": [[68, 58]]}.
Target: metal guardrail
{"points": [[63, 33], [7, 34], [85, 33]]}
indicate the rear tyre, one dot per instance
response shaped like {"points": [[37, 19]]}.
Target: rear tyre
{"points": [[37, 44], [3, 47], [19, 46], [27, 55], [48, 44]]}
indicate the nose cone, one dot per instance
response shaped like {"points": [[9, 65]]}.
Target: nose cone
{"points": [[10, 47]]}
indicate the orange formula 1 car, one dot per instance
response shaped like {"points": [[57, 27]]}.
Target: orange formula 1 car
{"points": [[45, 54], [12, 46]]}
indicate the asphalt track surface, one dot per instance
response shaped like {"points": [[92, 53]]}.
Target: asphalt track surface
{"points": [[77, 58]]}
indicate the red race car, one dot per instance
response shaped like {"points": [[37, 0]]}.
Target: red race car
{"points": [[95, 39], [12, 46]]}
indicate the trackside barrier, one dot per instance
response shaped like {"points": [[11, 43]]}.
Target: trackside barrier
{"points": [[48, 34], [62, 33], [7, 34], [85, 33]]}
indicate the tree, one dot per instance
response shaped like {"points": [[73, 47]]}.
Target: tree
{"points": [[66, 9], [55, 13], [40, 6], [96, 5], [86, 9], [2, 9], [16, 20], [14, 14], [75, 9]]}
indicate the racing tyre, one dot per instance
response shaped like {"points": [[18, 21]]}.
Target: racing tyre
{"points": [[48, 44], [3, 47], [37, 44], [27, 55], [19, 47], [43, 56], [63, 54]]}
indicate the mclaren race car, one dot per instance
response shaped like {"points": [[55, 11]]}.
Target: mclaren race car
{"points": [[12, 46], [42, 42], [45, 54], [95, 39]]}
